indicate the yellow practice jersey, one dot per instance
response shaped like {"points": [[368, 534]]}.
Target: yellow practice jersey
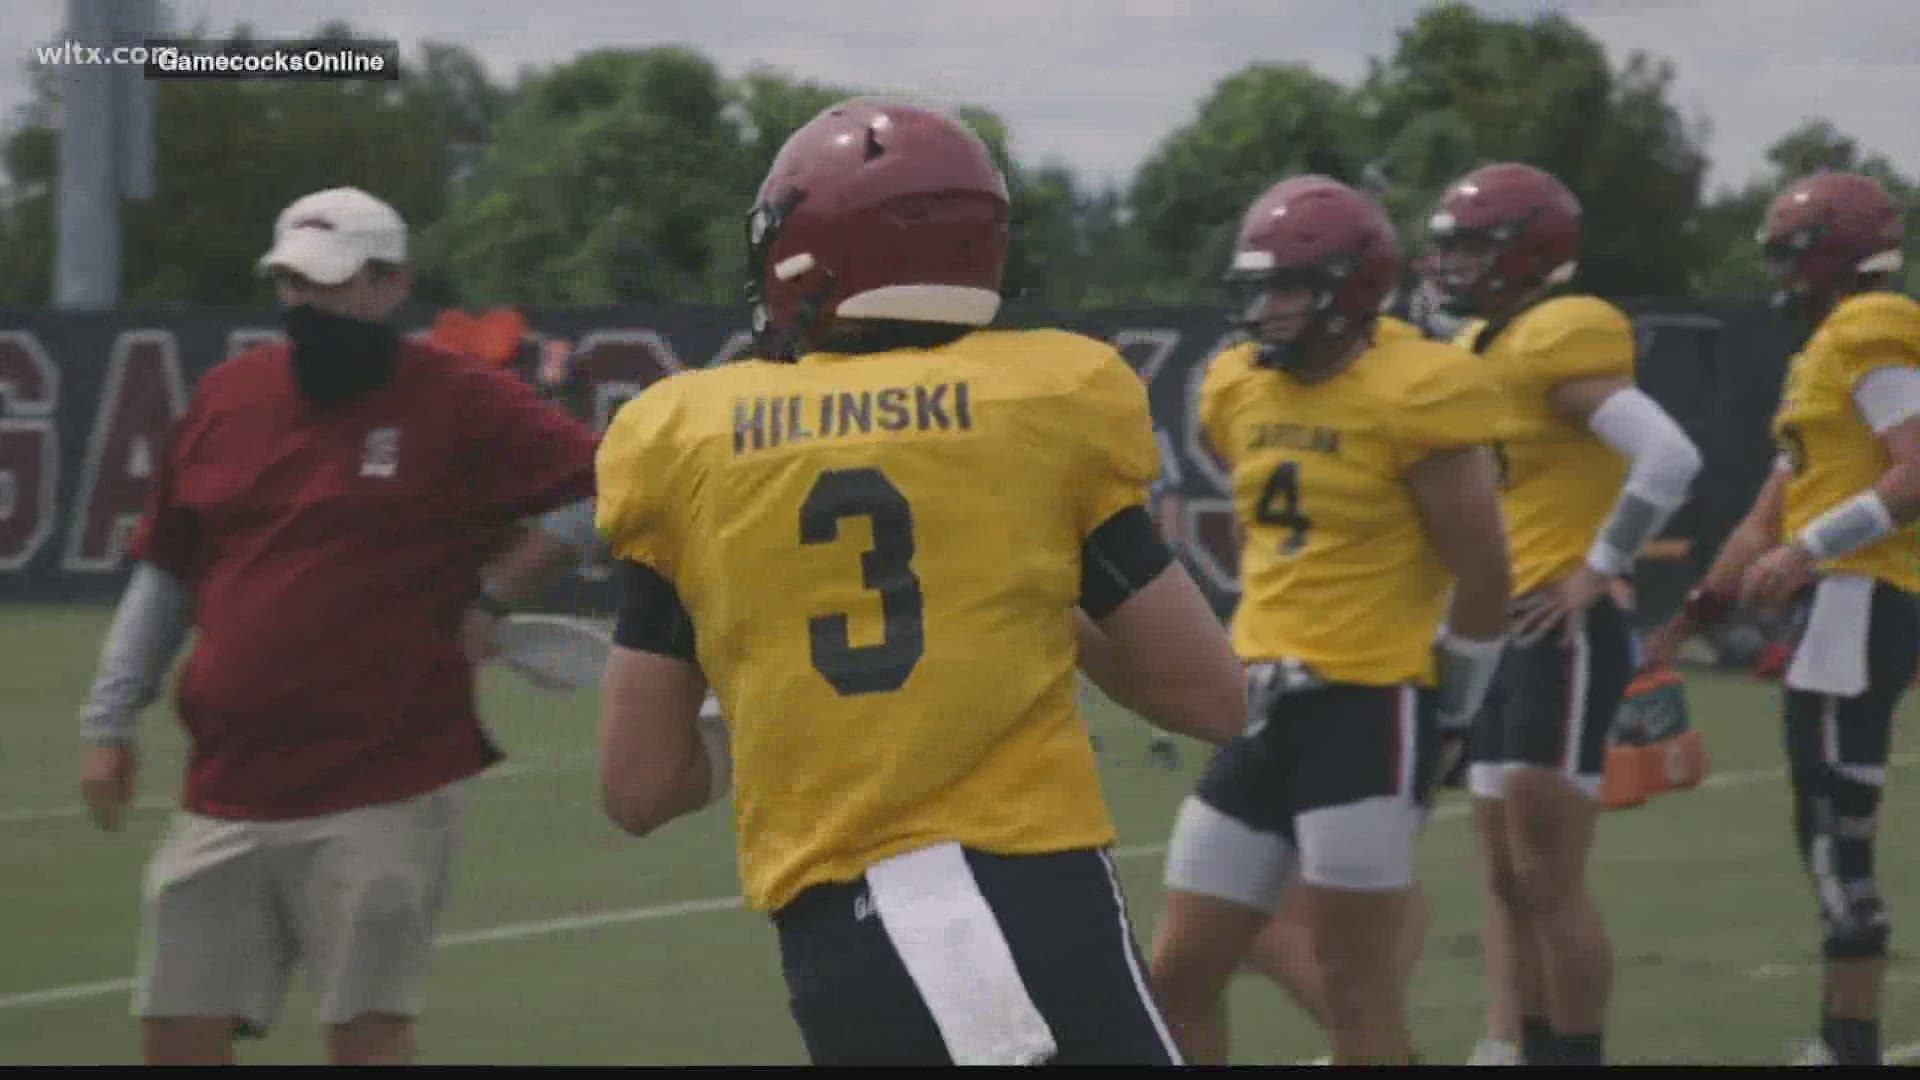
{"points": [[881, 557], [1388, 328], [1336, 569], [1558, 480], [1833, 452]]}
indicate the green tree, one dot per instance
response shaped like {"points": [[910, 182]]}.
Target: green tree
{"points": [[1429, 150], [602, 184], [30, 159], [771, 107], [1258, 126], [1047, 249], [627, 175], [230, 155], [1463, 89], [462, 99], [1729, 224]]}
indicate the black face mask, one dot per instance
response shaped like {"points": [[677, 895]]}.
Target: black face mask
{"points": [[337, 359]]}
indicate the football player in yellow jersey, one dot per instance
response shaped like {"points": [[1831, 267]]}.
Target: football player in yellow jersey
{"points": [[1366, 496], [1591, 470], [1283, 949], [1832, 531], [879, 543]]}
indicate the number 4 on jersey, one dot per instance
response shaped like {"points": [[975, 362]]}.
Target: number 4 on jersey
{"points": [[1280, 505]]}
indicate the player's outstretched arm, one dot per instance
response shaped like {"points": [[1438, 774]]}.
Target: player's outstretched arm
{"points": [[552, 542], [538, 553], [1719, 589], [1162, 653], [1757, 532]]}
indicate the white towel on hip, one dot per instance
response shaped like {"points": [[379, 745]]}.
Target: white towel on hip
{"points": [[953, 948], [1832, 655]]}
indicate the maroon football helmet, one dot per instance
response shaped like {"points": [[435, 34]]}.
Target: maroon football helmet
{"points": [[1500, 234], [1826, 233], [1318, 234], [875, 211]]}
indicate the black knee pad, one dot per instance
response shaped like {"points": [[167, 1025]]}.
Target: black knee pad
{"points": [[1862, 935]]}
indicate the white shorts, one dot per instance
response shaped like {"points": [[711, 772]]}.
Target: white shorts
{"points": [[1337, 778], [231, 908]]}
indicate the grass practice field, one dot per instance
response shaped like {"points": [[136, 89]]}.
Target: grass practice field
{"points": [[568, 942]]}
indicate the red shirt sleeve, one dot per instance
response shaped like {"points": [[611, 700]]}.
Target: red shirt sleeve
{"points": [[168, 534], [528, 456]]}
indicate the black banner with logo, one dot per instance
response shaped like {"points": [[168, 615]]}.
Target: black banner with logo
{"points": [[85, 401]]}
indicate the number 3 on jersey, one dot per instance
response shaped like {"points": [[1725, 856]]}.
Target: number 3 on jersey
{"points": [[1280, 505], [886, 569]]}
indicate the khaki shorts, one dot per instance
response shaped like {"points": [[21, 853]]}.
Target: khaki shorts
{"points": [[230, 908]]}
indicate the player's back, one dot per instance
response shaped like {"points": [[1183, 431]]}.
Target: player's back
{"points": [[880, 554], [1558, 479]]}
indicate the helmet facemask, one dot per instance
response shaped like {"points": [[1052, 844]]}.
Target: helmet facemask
{"points": [[772, 340], [1804, 289], [1311, 347], [1468, 263], [1782, 257]]}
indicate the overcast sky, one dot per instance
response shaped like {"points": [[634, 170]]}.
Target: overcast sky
{"points": [[1096, 83]]}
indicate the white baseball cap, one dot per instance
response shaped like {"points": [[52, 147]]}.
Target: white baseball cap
{"points": [[329, 235]]}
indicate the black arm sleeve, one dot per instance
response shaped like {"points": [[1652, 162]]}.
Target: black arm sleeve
{"points": [[652, 618], [1120, 558]]}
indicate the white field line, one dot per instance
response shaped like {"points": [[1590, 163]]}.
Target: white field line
{"points": [[543, 927], [35, 814]]}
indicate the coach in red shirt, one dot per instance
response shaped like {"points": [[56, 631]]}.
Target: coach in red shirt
{"points": [[339, 517]]}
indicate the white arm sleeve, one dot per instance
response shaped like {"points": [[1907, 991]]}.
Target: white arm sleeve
{"points": [[1664, 460], [1664, 464], [1887, 396], [152, 621]]}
